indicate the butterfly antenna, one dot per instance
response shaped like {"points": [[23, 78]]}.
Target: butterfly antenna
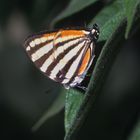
{"points": [[85, 25]]}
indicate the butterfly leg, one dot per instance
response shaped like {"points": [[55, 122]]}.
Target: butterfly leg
{"points": [[88, 75], [82, 87]]}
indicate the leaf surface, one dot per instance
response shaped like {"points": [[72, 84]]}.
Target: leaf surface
{"points": [[56, 107], [131, 7], [73, 7]]}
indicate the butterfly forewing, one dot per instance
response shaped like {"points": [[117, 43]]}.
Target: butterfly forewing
{"points": [[52, 52]]}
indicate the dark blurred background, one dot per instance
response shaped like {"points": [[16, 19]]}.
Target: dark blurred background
{"points": [[23, 97]]}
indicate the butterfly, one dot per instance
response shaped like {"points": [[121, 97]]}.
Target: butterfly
{"points": [[63, 55]]}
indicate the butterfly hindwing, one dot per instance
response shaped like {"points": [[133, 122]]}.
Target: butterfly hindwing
{"points": [[71, 60], [80, 65]]}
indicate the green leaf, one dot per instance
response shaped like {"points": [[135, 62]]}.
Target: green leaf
{"points": [[98, 77], [136, 132], [110, 21], [131, 9], [73, 7], [73, 102], [55, 108], [109, 18]]}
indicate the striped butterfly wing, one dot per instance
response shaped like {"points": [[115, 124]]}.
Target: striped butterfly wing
{"points": [[83, 64], [63, 56]]}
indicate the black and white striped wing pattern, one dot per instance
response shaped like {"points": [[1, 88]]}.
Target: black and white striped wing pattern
{"points": [[63, 56]]}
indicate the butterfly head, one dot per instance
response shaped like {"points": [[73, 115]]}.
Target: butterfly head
{"points": [[95, 32]]}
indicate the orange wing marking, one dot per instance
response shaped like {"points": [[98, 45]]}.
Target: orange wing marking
{"points": [[84, 62], [72, 33]]}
